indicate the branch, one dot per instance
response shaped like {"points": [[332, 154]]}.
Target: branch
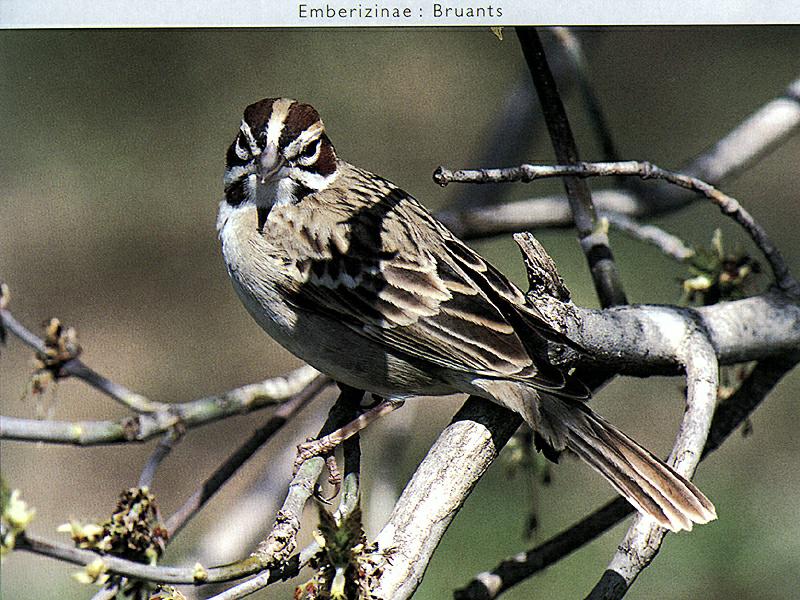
{"points": [[516, 122], [195, 575], [730, 414], [438, 489], [593, 239], [268, 577], [143, 427], [644, 538], [227, 469], [136, 570], [670, 245], [281, 541], [645, 170], [76, 368], [574, 51], [750, 141], [644, 340], [163, 448], [348, 501]]}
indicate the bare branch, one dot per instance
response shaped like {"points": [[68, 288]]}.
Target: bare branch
{"points": [[655, 335], [328, 443], [574, 51], [644, 538], [107, 593], [643, 340], [517, 121], [645, 170], [268, 577], [443, 480], [76, 368], [593, 239], [226, 470], [143, 427], [348, 501], [129, 568], [281, 541], [750, 141], [669, 244], [163, 448]]}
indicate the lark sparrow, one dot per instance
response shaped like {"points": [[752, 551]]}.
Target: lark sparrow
{"points": [[355, 277]]}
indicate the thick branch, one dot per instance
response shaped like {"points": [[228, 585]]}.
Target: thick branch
{"points": [[437, 491], [593, 239], [644, 340], [655, 336]]}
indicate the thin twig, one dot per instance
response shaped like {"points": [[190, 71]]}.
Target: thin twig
{"points": [[593, 239], [281, 541], [669, 244], [729, 415], [107, 593], [331, 441], [747, 143], [574, 51], [348, 501], [163, 448], [646, 170], [259, 437], [268, 577], [77, 368], [143, 427]]}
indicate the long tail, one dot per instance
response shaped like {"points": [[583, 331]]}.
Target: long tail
{"points": [[649, 484]]}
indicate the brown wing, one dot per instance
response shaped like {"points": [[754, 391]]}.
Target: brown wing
{"points": [[395, 275]]}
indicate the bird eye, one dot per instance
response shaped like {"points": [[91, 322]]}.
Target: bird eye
{"points": [[311, 150]]}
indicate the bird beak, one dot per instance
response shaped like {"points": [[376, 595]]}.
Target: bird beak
{"points": [[270, 163]]}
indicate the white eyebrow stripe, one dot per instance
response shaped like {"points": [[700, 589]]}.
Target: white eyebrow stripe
{"points": [[311, 133], [251, 140], [277, 120]]}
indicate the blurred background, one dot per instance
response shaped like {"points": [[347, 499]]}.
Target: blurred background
{"points": [[111, 152]]}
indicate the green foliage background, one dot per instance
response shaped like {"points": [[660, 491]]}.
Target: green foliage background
{"points": [[111, 155]]}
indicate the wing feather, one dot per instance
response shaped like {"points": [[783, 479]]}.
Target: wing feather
{"points": [[401, 279]]}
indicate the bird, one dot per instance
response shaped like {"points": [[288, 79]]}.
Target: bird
{"points": [[357, 278]]}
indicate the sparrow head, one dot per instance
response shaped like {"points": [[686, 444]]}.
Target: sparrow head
{"points": [[280, 154]]}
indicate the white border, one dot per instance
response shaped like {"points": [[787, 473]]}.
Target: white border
{"points": [[288, 13]]}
